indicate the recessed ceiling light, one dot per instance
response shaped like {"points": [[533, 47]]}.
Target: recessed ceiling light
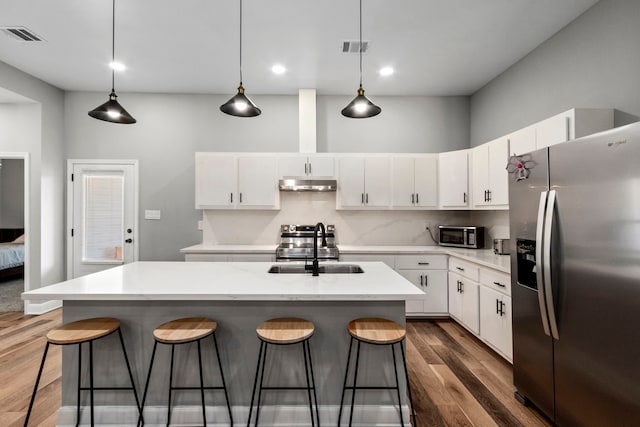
{"points": [[278, 69], [118, 66], [386, 71]]}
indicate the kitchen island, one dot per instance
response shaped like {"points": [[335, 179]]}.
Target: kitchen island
{"points": [[238, 296]]}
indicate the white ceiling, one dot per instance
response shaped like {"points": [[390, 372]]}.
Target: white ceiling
{"points": [[437, 47]]}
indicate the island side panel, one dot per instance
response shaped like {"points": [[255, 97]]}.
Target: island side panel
{"points": [[238, 344]]}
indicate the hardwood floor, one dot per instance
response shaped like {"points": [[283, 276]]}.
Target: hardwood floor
{"points": [[456, 380]]}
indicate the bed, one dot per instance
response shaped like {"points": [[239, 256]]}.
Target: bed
{"points": [[11, 254]]}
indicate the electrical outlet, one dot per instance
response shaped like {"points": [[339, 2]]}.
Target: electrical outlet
{"points": [[200, 225]]}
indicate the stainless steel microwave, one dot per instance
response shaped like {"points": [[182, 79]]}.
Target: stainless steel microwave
{"points": [[461, 237]]}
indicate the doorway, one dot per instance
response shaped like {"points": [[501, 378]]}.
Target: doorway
{"points": [[13, 231], [102, 215]]}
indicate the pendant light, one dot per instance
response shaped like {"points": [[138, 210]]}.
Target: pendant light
{"points": [[361, 107], [112, 111], [240, 105]]}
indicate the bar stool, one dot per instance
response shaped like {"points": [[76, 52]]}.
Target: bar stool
{"points": [[285, 331], [185, 331], [80, 332], [376, 331]]}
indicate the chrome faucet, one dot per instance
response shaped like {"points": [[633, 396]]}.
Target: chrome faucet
{"points": [[314, 266]]}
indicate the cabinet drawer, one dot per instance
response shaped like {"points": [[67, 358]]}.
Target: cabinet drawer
{"points": [[464, 268], [422, 262], [497, 280]]}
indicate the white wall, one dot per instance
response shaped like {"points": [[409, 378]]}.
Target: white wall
{"points": [[37, 128], [171, 128], [593, 62]]}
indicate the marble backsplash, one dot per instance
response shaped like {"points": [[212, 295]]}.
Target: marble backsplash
{"points": [[352, 227]]}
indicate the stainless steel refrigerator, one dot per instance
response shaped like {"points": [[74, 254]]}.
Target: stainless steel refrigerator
{"points": [[575, 273]]}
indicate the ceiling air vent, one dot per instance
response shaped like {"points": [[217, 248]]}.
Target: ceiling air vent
{"points": [[22, 34], [354, 46]]}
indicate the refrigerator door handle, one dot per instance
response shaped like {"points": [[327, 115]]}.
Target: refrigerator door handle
{"points": [[548, 226], [539, 263]]}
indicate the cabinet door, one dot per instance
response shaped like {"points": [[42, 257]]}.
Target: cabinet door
{"points": [[497, 172], [495, 318], [470, 315], [455, 297], [377, 184], [216, 180], [435, 291], [480, 176], [292, 166], [257, 182], [554, 130], [351, 181], [402, 182], [321, 166], [453, 179], [416, 305], [522, 141], [426, 181]]}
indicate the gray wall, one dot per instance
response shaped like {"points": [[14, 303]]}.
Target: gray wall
{"points": [[36, 128], [12, 193], [593, 62], [171, 128]]}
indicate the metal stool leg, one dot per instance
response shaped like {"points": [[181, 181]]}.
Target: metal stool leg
{"points": [[395, 371], [355, 379], [79, 384], [406, 373], [204, 412], [146, 386], [224, 385], [173, 350], [91, 379], [126, 359], [306, 372], [313, 382], [264, 360], [35, 388], [255, 382], [344, 386]]}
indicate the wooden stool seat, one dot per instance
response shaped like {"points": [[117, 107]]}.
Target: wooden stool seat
{"points": [[376, 331], [83, 330], [185, 330], [285, 330]]}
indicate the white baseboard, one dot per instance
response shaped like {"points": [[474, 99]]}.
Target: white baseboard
{"points": [[217, 416], [42, 307]]}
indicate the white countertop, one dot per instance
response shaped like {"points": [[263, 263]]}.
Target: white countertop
{"points": [[484, 257], [247, 281]]}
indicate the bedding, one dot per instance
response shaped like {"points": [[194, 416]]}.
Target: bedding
{"points": [[11, 255]]}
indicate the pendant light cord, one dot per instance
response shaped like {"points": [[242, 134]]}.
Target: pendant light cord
{"points": [[360, 43], [113, 44], [240, 42]]}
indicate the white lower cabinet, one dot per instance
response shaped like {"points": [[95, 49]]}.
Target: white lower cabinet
{"points": [[464, 302], [434, 285], [495, 320]]}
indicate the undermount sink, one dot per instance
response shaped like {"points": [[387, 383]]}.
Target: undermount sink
{"points": [[323, 268]]}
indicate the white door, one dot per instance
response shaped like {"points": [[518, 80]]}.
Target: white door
{"points": [[426, 181], [377, 181], [498, 175], [216, 181], [257, 182], [402, 184], [453, 179], [351, 181], [103, 216]]}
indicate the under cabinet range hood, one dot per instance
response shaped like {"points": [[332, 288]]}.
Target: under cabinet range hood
{"points": [[295, 183]]}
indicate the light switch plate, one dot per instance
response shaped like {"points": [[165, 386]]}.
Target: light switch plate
{"points": [[151, 214]]}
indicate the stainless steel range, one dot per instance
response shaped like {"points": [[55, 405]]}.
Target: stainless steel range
{"points": [[296, 243]]}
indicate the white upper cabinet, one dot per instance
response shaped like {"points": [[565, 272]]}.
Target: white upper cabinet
{"points": [[490, 177], [453, 179], [306, 166], [414, 182], [363, 182], [571, 124], [216, 181], [228, 181], [257, 182]]}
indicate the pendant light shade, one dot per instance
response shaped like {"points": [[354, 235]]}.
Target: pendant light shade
{"points": [[112, 111], [361, 107], [240, 105]]}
